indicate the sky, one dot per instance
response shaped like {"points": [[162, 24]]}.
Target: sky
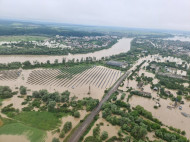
{"points": [[154, 14]]}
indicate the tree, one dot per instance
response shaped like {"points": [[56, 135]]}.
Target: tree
{"points": [[96, 132], [22, 90], [48, 62], [63, 61], [104, 135], [179, 98], [67, 126], [92, 139], [123, 96], [139, 132], [5, 92], [26, 64], [36, 94], [56, 61], [65, 96], [76, 114], [51, 105], [183, 133], [62, 134], [55, 140], [180, 92], [43, 93]]}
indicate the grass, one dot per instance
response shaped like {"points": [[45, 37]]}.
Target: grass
{"points": [[33, 134], [22, 38], [41, 120]]}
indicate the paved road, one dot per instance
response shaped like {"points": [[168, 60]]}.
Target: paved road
{"points": [[82, 128]]}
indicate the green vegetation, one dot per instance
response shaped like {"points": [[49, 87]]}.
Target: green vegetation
{"points": [[22, 38], [6, 92], [135, 123], [55, 140], [89, 128], [76, 114], [41, 120], [22, 90], [104, 135], [67, 127], [33, 134], [172, 83]]}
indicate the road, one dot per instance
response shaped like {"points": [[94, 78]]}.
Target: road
{"points": [[82, 128]]}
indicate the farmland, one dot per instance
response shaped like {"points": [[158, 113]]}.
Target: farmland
{"points": [[90, 78], [99, 77], [21, 38]]}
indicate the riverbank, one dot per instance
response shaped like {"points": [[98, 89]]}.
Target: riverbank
{"points": [[123, 45]]}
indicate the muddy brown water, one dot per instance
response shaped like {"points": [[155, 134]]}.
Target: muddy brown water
{"points": [[123, 45], [13, 138]]}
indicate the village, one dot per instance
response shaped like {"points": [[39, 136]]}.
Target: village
{"points": [[166, 104], [63, 42]]}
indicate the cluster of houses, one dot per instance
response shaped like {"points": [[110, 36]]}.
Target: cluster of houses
{"points": [[86, 41], [71, 42]]}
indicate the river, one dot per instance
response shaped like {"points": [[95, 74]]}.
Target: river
{"points": [[123, 45]]}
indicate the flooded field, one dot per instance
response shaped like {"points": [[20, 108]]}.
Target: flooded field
{"points": [[112, 130], [92, 82], [13, 138], [74, 122], [123, 45], [169, 117]]}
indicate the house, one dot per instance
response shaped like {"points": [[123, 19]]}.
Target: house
{"points": [[117, 64], [146, 94], [155, 88], [168, 93], [140, 85], [154, 67]]}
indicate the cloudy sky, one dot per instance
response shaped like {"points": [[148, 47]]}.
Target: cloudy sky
{"points": [[159, 14]]}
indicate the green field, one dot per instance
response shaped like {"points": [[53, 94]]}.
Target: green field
{"points": [[33, 134], [22, 38], [40, 120]]}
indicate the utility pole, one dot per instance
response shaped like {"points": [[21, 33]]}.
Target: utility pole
{"points": [[89, 90]]}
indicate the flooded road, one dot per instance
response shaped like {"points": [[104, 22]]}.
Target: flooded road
{"points": [[123, 45]]}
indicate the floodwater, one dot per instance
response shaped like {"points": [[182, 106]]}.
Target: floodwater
{"points": [[169, 117], [94, 80], [74, 122], [15, 138], [123, 45], [108, 127], [181, 38]]}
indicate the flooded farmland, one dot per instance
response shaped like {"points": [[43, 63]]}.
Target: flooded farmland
{"points": [[91, 82], [123, 45], [15, 138]]}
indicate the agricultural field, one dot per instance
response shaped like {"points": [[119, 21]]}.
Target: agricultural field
{"points": [[81, 81], [22, 38], [99, 77]]}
